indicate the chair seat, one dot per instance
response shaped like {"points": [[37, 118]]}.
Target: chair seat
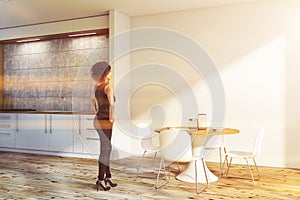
{"points": [[216, 147], [240, 154], [197, 157], [148, 145]]}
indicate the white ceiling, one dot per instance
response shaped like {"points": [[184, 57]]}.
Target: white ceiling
{"points": [[25, 12]]}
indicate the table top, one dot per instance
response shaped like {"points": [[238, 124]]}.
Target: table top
{"points": [[202, 131]]}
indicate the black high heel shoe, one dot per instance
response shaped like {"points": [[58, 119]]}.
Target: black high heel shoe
{"points": [[99, 184], [107, 180]]}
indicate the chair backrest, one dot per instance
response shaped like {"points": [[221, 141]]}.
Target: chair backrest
{"points": [[148, 139], [258, 142], [175, 145], [143, 130]]}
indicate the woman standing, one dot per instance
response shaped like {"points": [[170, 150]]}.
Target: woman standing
{"points": [[103, 103]]}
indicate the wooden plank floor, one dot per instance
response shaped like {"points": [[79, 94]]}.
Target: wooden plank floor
{"points": [[29, 176]]}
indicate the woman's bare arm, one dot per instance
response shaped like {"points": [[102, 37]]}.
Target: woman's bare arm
{"points": [[94, 102], [110, 96]]}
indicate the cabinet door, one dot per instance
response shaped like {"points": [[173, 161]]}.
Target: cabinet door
{"points": [[77, 134], [32, 132], [91, 143], [7, 130], [60, 130]]}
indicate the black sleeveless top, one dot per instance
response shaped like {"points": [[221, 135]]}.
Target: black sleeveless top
{"points": [[102, 102]]}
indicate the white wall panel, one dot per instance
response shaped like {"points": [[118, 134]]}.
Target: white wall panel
{"points": [[256, 49]]}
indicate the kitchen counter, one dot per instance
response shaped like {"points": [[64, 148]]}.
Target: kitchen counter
{"points": [[31, 111]]}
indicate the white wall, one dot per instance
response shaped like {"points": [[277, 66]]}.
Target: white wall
{"points": [[123, 141], [254, 46]]}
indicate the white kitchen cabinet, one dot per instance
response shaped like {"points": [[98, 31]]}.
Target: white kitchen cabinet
{"points": [[7, 130], [91, 142], [60, 130], [86, 139], [49, 132], [32, 131], [77, 137]]}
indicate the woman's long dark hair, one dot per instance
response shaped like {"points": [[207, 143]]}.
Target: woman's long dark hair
{"points": [[100, 70]]}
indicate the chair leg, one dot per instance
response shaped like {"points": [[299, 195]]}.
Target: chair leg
{"points": [[223, 166], [220, 155], [225, 157], [249, 168], [250, 171], [162, 162], [256, 168], [154, 158], [228, 166], [225, 160], [178, 167], [141, 163], [154, 162], [196, 174]]}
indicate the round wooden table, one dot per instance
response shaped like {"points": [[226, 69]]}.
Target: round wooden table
{"points": [[202, 131], [199, 138]]}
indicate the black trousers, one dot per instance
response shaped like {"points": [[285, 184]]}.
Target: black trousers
{"points": [[104, 129]]}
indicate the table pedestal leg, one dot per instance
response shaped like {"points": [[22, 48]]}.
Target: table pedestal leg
{"points": [[188, 175]]}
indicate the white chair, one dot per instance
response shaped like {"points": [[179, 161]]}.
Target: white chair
{"points": [[149, 143], [217, 142], [176, 146], [247, 155]]}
